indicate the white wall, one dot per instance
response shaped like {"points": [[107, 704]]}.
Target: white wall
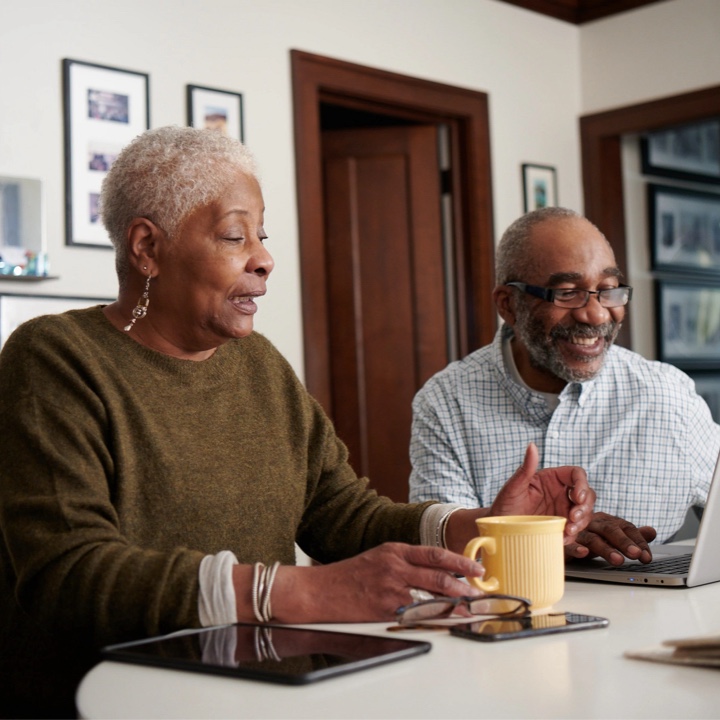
{"points": [[659, 50], [526, 62], [529, 65]]}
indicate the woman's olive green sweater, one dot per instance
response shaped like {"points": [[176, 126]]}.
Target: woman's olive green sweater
{"points": [[120, 468]]}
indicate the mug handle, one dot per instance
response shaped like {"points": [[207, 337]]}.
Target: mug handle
{"points": [[471, 550]]}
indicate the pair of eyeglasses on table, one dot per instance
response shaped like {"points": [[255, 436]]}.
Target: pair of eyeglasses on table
{"points": [[417, 615]]}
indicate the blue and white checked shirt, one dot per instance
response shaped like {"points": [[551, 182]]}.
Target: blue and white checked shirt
{"points": [[645, 438]]}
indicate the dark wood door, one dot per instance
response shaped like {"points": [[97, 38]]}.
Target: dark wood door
{"points": [[386, 290]]}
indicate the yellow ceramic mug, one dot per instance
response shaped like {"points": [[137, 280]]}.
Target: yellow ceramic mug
{"points": [[522, 555]]}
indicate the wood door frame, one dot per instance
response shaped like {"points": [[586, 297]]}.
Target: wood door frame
{"points": [[601, 149], [317, 79]]}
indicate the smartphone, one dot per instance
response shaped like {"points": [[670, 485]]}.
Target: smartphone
{"points": [[511, 628]]}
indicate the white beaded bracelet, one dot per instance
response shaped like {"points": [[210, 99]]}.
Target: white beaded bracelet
{"points": [[266, 609], [442, 527], [257, 587], [263, 579]]}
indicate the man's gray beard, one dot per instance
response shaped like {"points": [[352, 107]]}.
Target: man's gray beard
{"points": [[543, 352]]}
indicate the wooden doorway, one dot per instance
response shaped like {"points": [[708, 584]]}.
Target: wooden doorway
{"points": [[371, 405], [387, 314], [601, 144]]}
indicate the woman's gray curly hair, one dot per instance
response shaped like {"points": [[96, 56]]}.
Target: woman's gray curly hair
{"points": [[512, 260], [164, 175]]}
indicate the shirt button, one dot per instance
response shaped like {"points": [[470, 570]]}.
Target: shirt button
{"points": [[554, 434]]}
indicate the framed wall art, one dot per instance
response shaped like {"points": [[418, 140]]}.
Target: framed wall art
{"points": [[690, 152], [220, 110], [688, 331], [684, 229], [16, 309], [105, 108], [539, 186]]}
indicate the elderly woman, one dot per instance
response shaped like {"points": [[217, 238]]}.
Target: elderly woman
{"points": [[159, 460]]}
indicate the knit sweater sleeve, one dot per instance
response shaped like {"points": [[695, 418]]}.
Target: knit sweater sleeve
{"points": [[343, 516], [61, 531]]}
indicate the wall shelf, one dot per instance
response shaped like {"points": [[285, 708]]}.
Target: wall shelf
{"points": [[28, 278]]}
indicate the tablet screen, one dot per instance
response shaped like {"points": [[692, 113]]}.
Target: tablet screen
{"points": [[267, 652]]}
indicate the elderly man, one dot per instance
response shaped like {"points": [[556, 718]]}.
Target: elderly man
{"points": [[554, 377]]}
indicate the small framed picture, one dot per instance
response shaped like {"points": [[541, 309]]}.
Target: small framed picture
{"points": [[688, 332], [105, 108], [16, 309], [684, 229], [690, 152], [539, 186], [220, 110]]}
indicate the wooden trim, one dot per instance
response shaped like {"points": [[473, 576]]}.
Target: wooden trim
{"points": [[316, 78], [579, 11]]}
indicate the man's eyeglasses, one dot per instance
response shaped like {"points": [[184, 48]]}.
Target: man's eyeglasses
{"points": [[505, 606], [577, 298]]}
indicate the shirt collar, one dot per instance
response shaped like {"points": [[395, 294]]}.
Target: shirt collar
{"points": [[579, 392]]}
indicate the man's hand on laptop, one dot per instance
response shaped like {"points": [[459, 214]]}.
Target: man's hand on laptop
{"points": [[614, 540]]}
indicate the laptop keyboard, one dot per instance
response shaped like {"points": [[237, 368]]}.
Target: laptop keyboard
{"points": [[675, 565]]}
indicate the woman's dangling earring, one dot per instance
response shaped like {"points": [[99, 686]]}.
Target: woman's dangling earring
{"points": [[140, 310]]}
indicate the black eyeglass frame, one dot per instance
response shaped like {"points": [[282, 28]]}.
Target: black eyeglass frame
{"points": [[548, 294], [453, 602]]}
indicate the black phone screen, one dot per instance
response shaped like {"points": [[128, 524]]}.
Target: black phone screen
{"points": [[511, 628]]}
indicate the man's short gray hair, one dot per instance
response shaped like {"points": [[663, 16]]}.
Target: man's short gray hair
{"points": [[164, 175], [512, 259]]}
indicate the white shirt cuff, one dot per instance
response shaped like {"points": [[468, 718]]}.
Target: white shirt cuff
{"points": [[216, 600]]}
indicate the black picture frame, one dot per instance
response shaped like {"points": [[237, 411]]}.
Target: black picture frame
{"points": [[539, 186], [104, 108], [215, 109], [688, 324], [684, 230], [687, 152]]}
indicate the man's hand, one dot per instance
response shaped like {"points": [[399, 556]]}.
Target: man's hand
{"points": [[614, 540], [554, 491], [560, 491]]}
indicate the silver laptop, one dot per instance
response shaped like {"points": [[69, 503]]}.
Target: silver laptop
{"points": [[672, 565]]}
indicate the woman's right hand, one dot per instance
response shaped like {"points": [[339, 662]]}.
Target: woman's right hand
{"points": [[369, 587]]}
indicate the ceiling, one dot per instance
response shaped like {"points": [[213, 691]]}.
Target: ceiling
{"points": [[580, 11]]}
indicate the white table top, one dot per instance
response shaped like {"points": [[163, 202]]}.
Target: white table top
{"points": [[573, 675]]}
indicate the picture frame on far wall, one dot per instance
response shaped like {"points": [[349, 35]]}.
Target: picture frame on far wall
{"points": [[104, 109], [688, 324], [690, 151], [539, 186], [684, 229], [15, 309], [216, 110]]}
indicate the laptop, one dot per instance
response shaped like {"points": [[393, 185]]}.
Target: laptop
{"points": [[672, 565]]}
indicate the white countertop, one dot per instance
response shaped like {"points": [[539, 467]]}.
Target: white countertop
{"points": [[572, 675]]}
